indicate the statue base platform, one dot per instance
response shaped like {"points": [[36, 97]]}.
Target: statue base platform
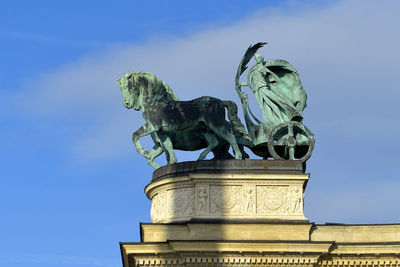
{"points": [[247, 213], [228, 190]]}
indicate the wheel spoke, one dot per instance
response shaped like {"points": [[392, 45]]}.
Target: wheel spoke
{"points": [[291, 153]]}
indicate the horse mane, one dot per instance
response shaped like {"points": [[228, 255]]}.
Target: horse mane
{"points": [[158, 86]]}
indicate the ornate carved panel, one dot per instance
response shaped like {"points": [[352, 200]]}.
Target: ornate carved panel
{"points": [[273, 199], [180, 202], [158, 207], [225, 199]]}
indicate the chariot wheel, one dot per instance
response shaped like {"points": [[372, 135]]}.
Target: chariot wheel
{"points": [[291, 140]]}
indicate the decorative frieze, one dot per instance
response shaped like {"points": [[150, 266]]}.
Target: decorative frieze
{"points": [[228, 196]]}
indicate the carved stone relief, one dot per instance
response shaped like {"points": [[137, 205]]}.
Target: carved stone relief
{"points": [[158, 207], [296, 200], [272, 199], [246, 199], [180, 202], [249, 195], [225, 199], [202, 199]]}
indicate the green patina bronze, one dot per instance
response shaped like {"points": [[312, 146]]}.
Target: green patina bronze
{"points": [[184, 125], [201, 124], [280, 96]]}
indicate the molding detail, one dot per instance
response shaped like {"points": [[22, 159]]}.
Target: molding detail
{"points": [[289, 253], [226, 260]]}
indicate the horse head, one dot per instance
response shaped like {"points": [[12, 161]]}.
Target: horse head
{"points": [[130, 91]]}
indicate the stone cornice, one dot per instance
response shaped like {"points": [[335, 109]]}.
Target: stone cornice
{"points": [[219, 253]]}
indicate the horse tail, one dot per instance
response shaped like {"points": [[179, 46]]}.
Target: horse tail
{"points": [[237, 126]]}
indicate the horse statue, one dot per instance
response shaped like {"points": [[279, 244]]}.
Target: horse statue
{"points": [[184, 125]]}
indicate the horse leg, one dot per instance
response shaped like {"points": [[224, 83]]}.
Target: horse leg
{"points": [[244, 154], [212, 142], [155, 152], [168, 148], [222, 150], [227, 135], [142, 131], [242, 142]]}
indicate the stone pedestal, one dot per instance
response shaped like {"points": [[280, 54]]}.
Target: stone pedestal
{"points": [[248, 213], [227, 191]]}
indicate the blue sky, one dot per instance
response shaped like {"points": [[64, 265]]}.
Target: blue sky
{"points": [[71, 181]]}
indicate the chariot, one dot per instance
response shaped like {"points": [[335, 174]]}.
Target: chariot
{"points": [[282, 99]]}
